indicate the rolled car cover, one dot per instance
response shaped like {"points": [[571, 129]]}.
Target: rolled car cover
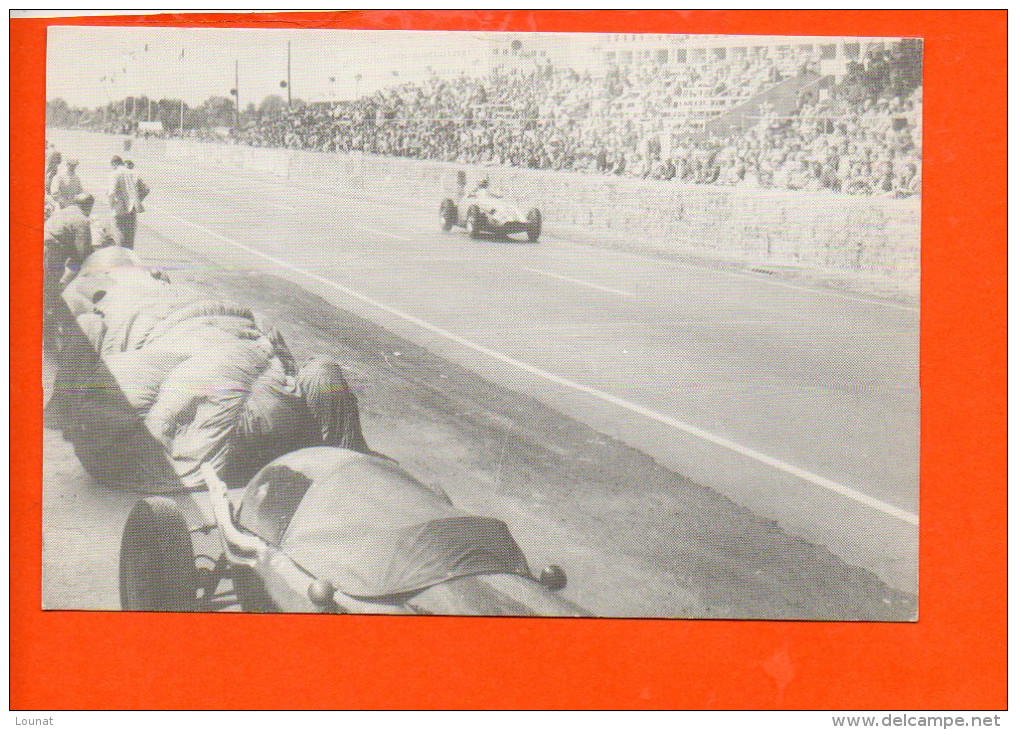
{"points": [[209, 381], [370, 528]]}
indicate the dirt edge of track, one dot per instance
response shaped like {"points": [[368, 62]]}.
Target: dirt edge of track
{"points": [[635, 538]]}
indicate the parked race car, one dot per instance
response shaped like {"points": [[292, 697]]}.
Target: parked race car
{"points": [[485, 212], [277, 503], [331, 530]]}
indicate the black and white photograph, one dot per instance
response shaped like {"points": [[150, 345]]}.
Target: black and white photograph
{"points": [[481, 323]]}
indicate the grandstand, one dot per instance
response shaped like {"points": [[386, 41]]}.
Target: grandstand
{"points": [[838, 114]]}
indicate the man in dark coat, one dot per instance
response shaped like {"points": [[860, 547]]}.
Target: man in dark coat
{"points": [[67, 241], [126, 191]]}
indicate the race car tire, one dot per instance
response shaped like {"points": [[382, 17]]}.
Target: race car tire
{"points": [[533, 222], [449, 214], [474, 221], [157, 570]]}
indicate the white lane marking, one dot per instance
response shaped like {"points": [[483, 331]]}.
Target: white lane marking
{"points": [[384, 233], [288, 186], [737, 448], [823, 292], [580, 282], [758, 278]]}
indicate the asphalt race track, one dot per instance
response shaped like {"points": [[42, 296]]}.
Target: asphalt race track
{"points": [[799, 403]]}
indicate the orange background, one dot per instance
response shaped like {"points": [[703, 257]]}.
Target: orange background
{"points": [[954, 657]]}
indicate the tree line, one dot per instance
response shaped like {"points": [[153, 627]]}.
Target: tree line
{"points": [[215, 111]]}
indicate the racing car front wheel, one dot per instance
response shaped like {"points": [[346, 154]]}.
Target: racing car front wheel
{"points": [[449, 214], [533, 223], [157, 571], [473, 221]]}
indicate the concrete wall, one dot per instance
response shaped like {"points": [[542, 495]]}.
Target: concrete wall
{"points": [[813, 230], [823, 232]]}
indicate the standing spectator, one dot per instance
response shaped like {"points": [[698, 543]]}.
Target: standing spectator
{"points": [[52, 167], [126, 192], [66, 186], [67, 241], [139, 185]]}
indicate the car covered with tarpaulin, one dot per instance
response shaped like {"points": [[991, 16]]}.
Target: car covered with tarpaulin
{"points": [[331, 530], [277, 502], [156, 374]]}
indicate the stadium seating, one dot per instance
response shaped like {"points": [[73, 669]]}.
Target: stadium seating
{"points": [[752, 122]]}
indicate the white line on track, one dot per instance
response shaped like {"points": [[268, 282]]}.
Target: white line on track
{"points": [[808, 290], [386, 234], [758, 278], [807, 476], [280, 206], [580, 282]]}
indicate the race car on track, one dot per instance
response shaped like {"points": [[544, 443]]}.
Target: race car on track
{"points": [[483, 212]]}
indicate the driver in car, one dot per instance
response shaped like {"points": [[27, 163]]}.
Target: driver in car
{"points": [[483, 189]]}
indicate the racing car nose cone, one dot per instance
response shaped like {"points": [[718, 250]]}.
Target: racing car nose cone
{"points": [[553, 578]]}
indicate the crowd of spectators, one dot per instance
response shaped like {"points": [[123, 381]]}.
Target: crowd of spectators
{"points": [[866, 148], [645, 121], [545, 118]]}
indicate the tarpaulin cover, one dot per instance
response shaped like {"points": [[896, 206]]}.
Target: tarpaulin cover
{"points": [[208, 380], [370, 528]]}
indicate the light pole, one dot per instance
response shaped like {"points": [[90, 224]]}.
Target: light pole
{"points": [[180, 58], [287, 82], [104, 83]]}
